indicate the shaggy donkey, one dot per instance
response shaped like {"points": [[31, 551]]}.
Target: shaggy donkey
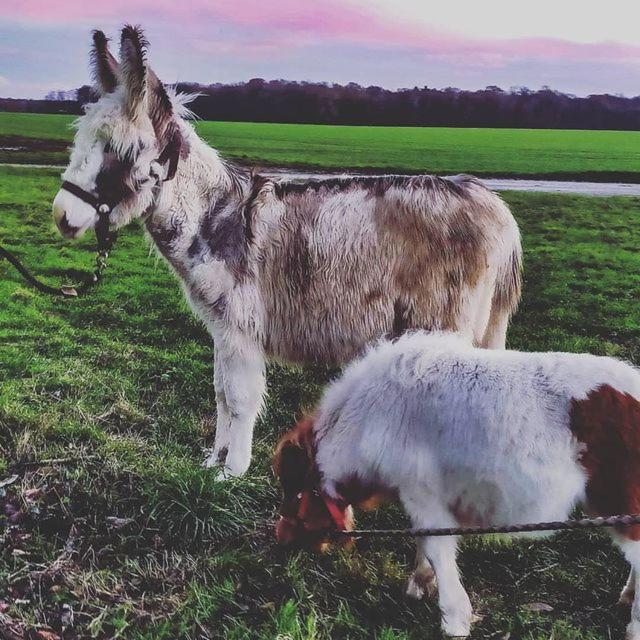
{"points": [[304, 272], [467, 437]]}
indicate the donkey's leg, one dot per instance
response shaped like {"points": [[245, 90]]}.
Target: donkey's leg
{"points": [[223, 417], [244, 388], [495, 336], [423, 579]]}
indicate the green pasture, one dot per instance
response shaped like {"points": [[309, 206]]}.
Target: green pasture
{"points": [[137, 540], [570, 154]]}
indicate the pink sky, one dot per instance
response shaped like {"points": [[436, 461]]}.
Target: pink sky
{"points": [[399, 43]]}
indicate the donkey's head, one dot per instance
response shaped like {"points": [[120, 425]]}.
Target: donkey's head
{"points": [[125, 144]]}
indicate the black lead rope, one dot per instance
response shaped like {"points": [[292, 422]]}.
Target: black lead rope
{"points": [[104, 237], [105, 242], [623, 520]]}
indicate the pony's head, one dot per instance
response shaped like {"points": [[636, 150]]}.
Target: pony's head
{"points": [[307, 513], [126, 143]]}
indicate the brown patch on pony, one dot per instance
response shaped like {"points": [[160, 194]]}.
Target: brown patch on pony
{"points": [[305, 515], [365, 495], [467, 515], [294, 459], [607, 422]]}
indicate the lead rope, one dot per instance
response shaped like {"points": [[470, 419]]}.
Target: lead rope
{"points": [[624, 520], [106, 241]]}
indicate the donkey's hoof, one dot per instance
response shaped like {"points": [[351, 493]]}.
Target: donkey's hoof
{"points": [[626, 597], [215, 457]]}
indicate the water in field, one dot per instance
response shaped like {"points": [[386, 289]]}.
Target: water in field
{"points": [[497, 184], [502, 184]]}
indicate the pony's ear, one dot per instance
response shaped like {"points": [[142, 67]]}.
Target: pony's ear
{"points": [[293, 461], [104, 66], [133, 70]]}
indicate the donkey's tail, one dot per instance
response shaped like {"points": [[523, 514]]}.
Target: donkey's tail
{"points": [[508, 287], [506, 296]]}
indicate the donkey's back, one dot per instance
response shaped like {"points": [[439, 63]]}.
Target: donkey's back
{"points": [[340, 262]]}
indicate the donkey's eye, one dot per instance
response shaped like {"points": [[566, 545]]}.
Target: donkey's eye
{"points": [[107, 148]]}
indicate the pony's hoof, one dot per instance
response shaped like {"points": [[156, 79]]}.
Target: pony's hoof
{"points": [[420, 587]]}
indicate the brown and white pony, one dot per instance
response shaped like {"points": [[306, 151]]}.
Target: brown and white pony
{"points": [[462, 436], [306, 272]]}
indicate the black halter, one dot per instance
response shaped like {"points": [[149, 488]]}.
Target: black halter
{"points": [[104, 208], [104, 238], [86, 196]]}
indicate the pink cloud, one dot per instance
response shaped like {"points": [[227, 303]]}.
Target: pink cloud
{"points": [[260, 27]]}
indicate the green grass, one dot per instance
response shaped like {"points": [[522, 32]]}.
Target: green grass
{"points": [[612, 155], [120, 383]]}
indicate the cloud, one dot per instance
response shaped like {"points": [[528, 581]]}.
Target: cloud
{"points": [[271, 25], [208, 40]]}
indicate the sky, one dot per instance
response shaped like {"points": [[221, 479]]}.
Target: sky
{"points": [[577, 47]]}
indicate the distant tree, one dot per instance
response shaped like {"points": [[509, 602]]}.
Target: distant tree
{"points": [[260, 100]]}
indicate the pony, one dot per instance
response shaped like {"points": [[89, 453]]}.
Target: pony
{"points": [[466, 437]]}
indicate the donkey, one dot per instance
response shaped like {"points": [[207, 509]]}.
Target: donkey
{"points": [[305, 272]]}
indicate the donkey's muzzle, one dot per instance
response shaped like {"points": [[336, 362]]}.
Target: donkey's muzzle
{"points": [[72, 216]]}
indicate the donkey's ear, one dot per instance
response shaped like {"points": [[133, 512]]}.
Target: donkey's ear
{"points": [[159, 103], [133, 70], [104, 66]]}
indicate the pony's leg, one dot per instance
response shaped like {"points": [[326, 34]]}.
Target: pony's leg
{"points": [[628, 593], [244, 388], [631, 550], [223, 417], [423, 579], [455, 606]]}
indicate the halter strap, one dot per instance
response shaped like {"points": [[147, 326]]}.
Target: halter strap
{"points": [[103, 208], [79, 192], [334, 507], [336, 510]]}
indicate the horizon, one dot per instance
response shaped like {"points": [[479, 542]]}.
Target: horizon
{"points": [[45, 48]]}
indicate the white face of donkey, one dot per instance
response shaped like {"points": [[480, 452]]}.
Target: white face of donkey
{"points": [[125, 142]]}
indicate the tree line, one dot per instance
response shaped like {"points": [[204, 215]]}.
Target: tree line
{"points": [[308, 102]]}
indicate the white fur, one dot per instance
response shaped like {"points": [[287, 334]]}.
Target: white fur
{"points": [[460, 430]]}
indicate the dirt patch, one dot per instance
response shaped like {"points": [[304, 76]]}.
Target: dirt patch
{"points": [[22, 143]]}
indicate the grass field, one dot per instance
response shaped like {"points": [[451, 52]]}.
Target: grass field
{"points": [[139, 542], [597, 155]]}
